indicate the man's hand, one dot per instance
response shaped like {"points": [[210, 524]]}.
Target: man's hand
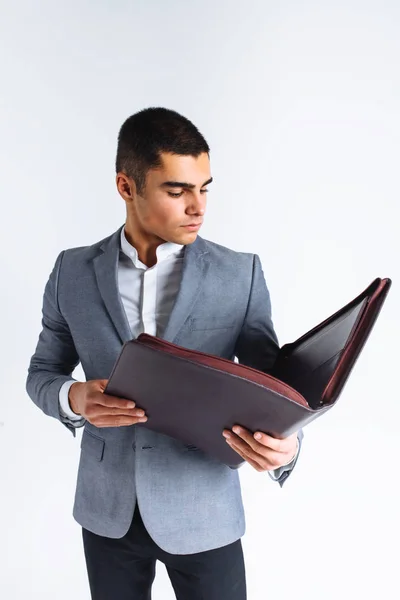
{"points": [[88, 399], [265, 453]]}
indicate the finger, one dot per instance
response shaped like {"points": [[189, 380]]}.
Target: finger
{"points": [[114, 401], [247, 436], [244, 448], [269, 457], [265, 463], [118, 411], [279, 445], [246, 457], [265, 457], [118, 421]]}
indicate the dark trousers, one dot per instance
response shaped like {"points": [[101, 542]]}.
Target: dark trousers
{"points": [[124, 569]]}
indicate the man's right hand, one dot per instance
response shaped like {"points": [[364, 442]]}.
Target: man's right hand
{"points": [[89, 401]]}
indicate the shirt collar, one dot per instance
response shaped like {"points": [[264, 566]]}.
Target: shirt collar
{"points": [[163, 251]]}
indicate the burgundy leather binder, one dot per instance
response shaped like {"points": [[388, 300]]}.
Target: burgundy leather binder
{"points": [[192, 396]]}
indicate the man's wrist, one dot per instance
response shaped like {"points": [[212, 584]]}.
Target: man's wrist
{"points": [[294, 455], [72, 398]]}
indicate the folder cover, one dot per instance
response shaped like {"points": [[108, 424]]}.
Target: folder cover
{"points": [[192, 396]]}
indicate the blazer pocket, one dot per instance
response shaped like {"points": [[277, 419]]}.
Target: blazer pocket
{"points": [[92, 444], [211, 323], [191, 447]]}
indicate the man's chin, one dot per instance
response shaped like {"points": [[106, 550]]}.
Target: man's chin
{"points": [[187, 237], [190, 236]]}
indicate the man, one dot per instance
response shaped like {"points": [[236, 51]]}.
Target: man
{"points": [[142, 496]]}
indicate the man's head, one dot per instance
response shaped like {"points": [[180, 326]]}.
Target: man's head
{"points": [[163, 168]]}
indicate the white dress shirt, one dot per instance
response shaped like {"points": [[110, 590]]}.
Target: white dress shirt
{"points": [[148, 295]]}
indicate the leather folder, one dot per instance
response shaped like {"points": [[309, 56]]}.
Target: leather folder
{"points": [[192, 396]]}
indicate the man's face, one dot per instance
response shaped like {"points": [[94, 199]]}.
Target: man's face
{"points": [[168, 205]]}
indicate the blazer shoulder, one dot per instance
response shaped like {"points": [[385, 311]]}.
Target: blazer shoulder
{"points": [[228, 264], [226, 253], [85, 254]]}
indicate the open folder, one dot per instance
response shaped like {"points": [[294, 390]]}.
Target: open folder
{"points": [[192, 396]]}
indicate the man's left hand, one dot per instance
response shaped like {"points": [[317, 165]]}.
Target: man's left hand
{"points": [[264, 454]]}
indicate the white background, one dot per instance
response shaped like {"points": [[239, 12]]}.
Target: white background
{"points": [[299, 102]]}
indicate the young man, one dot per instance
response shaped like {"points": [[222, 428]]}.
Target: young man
{"points": [[142, 496]]}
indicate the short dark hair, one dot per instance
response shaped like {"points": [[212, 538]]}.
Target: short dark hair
{"points": [[149, 132]]}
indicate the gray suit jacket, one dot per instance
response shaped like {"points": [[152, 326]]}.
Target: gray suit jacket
{"points": [[189, 502]]}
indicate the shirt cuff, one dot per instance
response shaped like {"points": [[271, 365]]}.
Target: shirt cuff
{"points": [[64, 406]]}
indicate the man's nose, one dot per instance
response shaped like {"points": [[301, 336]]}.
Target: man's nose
{"points": [[197, 204]]}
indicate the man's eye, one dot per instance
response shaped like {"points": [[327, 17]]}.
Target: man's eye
{"points": [[178, 194]]}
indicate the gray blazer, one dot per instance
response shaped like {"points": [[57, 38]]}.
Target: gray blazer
{"points": [[189, 502]]}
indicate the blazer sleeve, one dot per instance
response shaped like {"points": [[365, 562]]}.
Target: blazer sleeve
{"points": [[55, 357], [257, 345]]}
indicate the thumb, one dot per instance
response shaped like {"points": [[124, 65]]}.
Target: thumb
{"points": [[103, 383]]}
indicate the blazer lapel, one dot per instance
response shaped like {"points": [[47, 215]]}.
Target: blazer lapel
{"points": [[106, 269], [194, 269]]}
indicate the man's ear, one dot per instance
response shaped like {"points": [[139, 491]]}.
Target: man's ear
{"points": [[126, 186]]}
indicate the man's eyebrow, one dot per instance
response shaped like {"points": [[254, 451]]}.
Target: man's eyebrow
{"points": [[183, 184]]}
